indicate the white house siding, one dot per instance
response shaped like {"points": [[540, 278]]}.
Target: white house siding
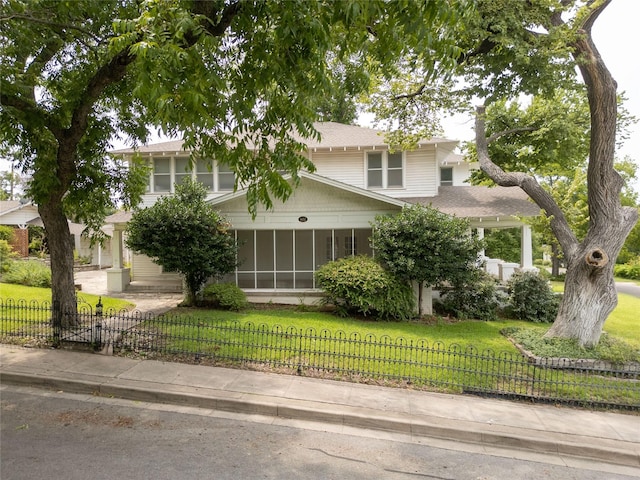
{"points": [[323, 206], [421, 174], [346, 167], [143, 269]]}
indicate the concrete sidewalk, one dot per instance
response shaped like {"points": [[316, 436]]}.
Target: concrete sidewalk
{"points": [[571, 435]]}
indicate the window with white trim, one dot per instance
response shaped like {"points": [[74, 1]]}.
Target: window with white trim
{"points": [[446, 176], [169, 171], [385, 170]]}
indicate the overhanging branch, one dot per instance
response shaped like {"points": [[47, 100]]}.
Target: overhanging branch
{"points": [[526, 182]]}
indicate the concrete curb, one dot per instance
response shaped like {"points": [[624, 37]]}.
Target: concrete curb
{"points": [[611, 451]]}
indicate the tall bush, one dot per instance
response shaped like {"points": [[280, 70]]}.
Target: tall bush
{"points": [[478, 298], [531, 298], [6, 255], [426, 246], [361, 285]]}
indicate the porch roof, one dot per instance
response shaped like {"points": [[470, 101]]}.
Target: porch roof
{"points": [[478, 202]]}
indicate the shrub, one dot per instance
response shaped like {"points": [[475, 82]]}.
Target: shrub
{"points": [[361, 285], [31, 273], [629, 270], [531, 298], [6, 255], [478, 299], [6, 233], [225, 295]]}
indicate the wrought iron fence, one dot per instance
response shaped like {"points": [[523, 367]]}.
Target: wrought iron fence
{"points": [[333, 354]]}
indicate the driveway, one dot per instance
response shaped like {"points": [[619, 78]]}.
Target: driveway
{"points": [[629, 288]]}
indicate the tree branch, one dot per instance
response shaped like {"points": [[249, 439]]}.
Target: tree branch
{"points": [[207, 8], [30, 109], [526, 182], [62, 26], [503, 133]]}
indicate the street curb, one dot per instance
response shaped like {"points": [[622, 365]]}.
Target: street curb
{"points": [[610, 451]]}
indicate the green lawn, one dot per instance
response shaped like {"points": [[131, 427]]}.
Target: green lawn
{"points": [[39, 295]]}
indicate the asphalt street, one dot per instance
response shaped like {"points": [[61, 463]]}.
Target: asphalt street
{"points": [[48, 434]]}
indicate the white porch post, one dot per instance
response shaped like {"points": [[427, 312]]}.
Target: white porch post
{"points": [[117, 277], [480, 231], [526, 249]]}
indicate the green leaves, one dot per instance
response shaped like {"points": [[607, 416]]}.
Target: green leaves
{"points": [[424, 245], [184, 234]]}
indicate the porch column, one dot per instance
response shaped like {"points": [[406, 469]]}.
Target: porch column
{"points": [[117, 277], [526, 249], [480, 231]]}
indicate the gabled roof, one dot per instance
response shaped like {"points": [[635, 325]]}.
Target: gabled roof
{"points": [[8, 206], [326, 181], [332, 135], [481, 202]]}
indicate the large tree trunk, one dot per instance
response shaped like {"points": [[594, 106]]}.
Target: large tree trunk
{"points": [[61, 250], [589, 296]]}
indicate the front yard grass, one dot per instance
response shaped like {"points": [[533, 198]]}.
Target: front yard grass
{"points": [[40, 295]]}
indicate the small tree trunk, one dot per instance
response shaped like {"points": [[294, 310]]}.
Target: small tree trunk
{"points": [[420, 291], [63, 292]]}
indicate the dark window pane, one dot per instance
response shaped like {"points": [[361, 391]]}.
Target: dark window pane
{"points": [[264, 250], [284, 250], [304, 250]]}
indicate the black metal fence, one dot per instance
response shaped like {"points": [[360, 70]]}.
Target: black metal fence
{"points": [[332, 354]]}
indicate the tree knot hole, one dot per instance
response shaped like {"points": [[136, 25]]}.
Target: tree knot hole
{"points": [[597, 258]]}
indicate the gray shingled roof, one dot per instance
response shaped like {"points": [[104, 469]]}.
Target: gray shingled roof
{"points": [[478, 202], [333, 135]]}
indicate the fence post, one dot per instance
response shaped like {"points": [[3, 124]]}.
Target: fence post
{"points": [[56, 323], [97, 338]]}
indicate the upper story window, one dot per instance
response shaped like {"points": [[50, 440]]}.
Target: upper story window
{"points": [[226, 177], [446, 176], [169, 171], [162, 174], [385, 170]]}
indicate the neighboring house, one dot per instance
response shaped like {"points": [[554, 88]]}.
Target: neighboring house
{"points": [[21, 213], [329, 214]]}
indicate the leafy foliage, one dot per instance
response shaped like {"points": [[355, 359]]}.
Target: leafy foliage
{"points": [[531, 298], [629, 270], [6, 233], [424, 245], [227, 296], [6, 255], [31, 273], [359, 284], [476, 298], [184, 234]]}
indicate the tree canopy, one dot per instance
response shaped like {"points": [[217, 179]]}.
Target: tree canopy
{"points": [[235, 78]]}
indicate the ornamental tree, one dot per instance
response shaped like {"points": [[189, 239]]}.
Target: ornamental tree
{"points": [[426, 246], [185, 234], [235, 78]]}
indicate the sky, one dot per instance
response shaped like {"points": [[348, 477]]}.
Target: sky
{"points": [[617, 37]]}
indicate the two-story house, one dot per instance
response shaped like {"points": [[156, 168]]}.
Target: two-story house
{"points": [[329, 215]]}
